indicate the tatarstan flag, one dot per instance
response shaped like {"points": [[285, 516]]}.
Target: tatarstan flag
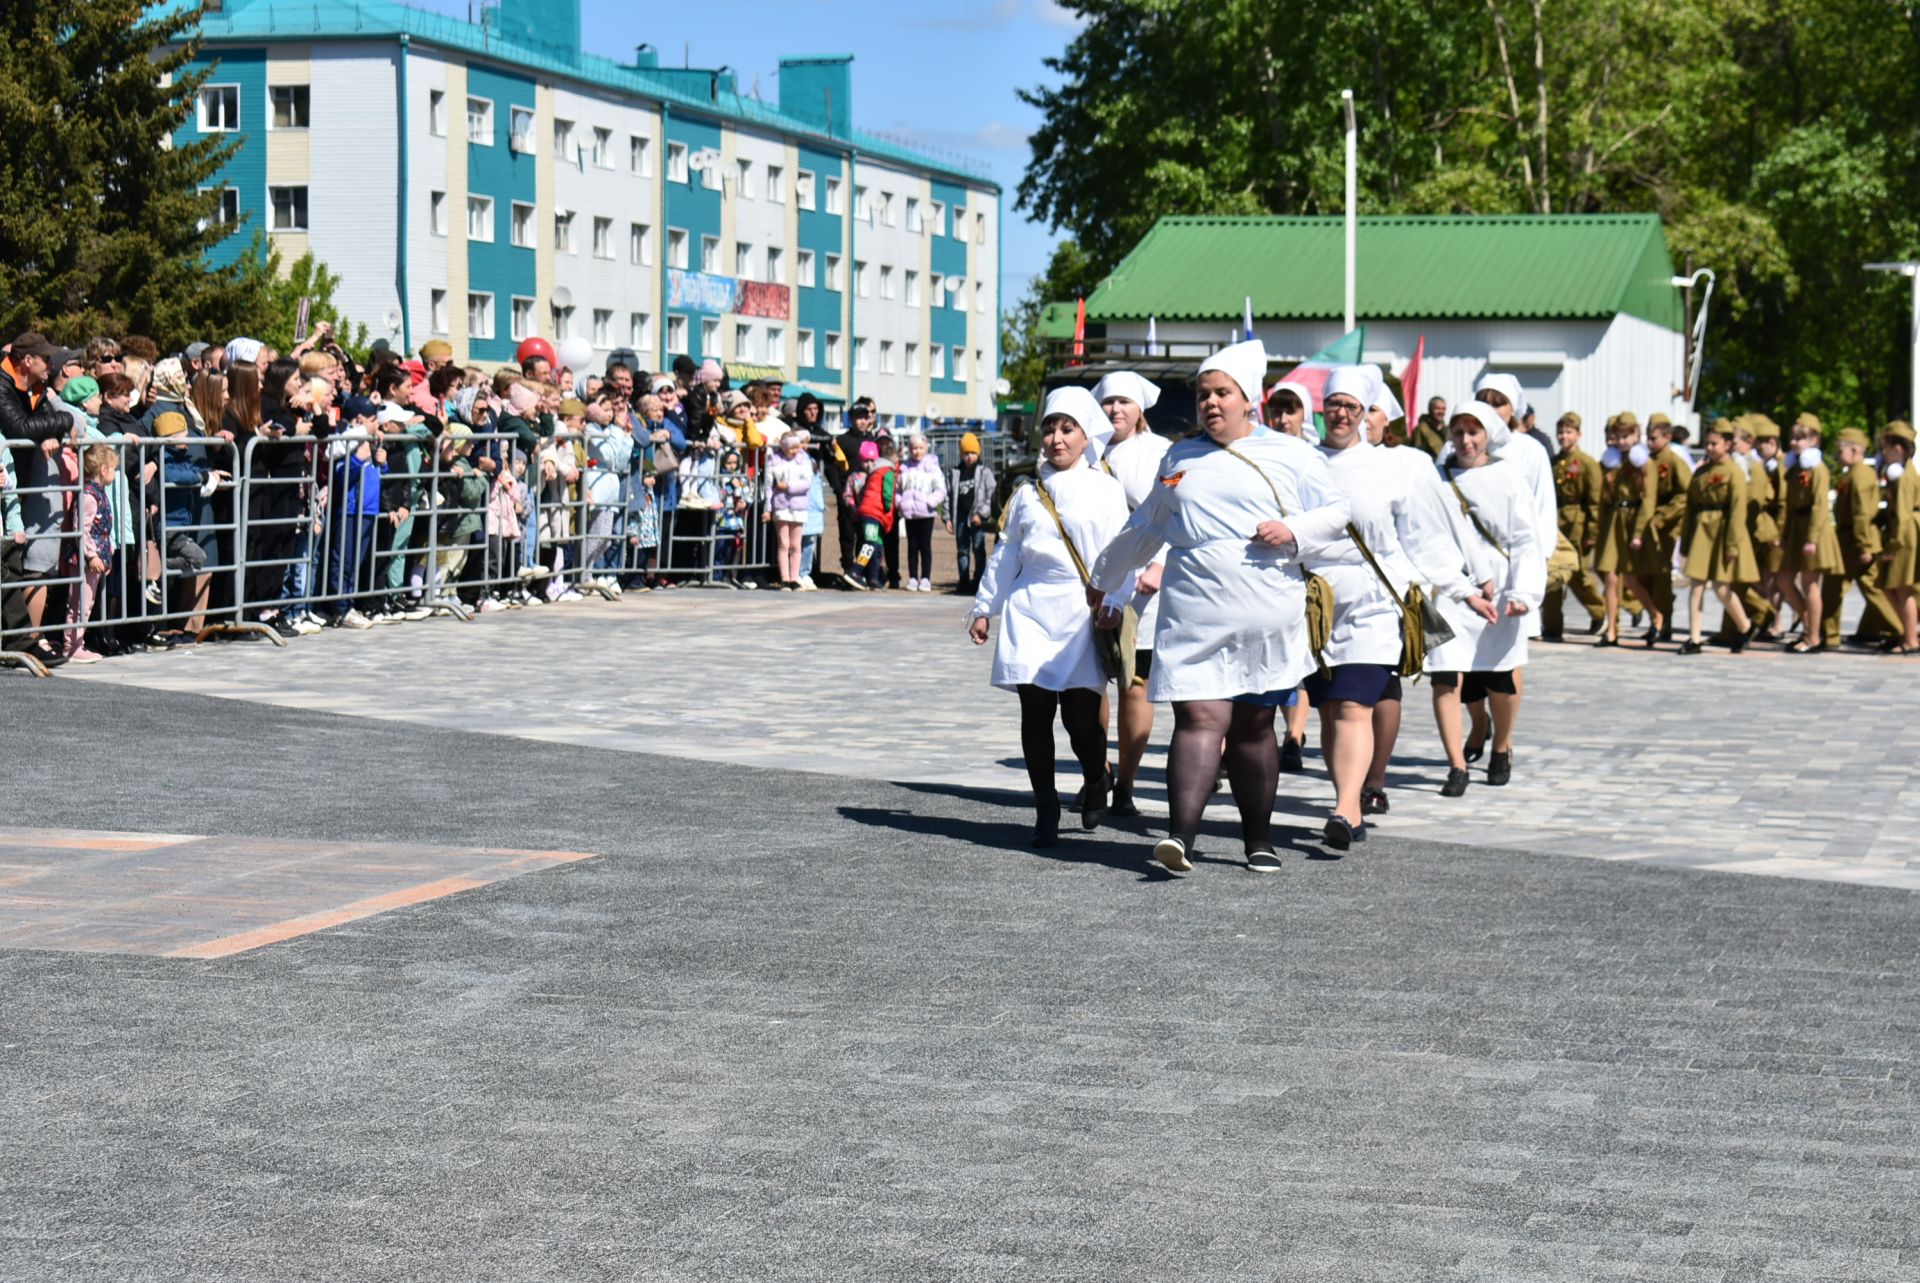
{"points": [[1312, 373]]}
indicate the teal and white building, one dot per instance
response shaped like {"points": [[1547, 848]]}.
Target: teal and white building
{"points": [[482, 182]]}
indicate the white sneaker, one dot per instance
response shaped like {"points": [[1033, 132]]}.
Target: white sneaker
{"points": [[926, 585], [568, 595], [539, 572], [490, 604], [806, 584], [307, 626], [354, 619], [417, 612]]}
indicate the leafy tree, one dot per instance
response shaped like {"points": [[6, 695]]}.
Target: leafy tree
{"points": [[103, 227], [307, 277]]}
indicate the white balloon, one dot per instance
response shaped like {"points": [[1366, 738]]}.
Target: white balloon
{"points": [[576, 354]]}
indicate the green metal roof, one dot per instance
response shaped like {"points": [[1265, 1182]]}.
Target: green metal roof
{"points": [[303, 20], [1413, 267]]}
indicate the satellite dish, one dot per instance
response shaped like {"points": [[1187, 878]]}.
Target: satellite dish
{"points": [[953, 284], [933, 412], [562, 296], [1001, 387], [393, 320]]}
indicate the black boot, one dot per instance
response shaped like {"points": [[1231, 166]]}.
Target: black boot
{"points": [[1094, 809], [1122, 807], [1046, 821], [1499, 768], [1290, 755], [1456, 785]]}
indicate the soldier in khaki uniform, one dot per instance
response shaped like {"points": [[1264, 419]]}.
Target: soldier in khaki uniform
{"points": [[1900, 532], [1716, 543], [1856, 510], [1430, 433], [1747, 432], [1657, 523], [1577, 483]]}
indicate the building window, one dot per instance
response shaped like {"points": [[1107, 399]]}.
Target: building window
{"points": [[960, 365], [640, 156], [860, 354], [937, 361], [676, 334], [886, 281], [775, 266], [520, 228], [776, 185], [913, 289], [289, 208], [886, 356], [939, 288], [833, 272], [709, 338], [980, 229], [676, 248], [291, 104], [563, 231], [743, 343], [479, 316], [886, 209], [219, 108], [437, 213], [676, 162], [437, 113], [603, 327], [710, 254], [603, 238], [805, 354], [743, 184], [743, 261], [437, 306], [804, 189], [862, 207], [979, 296], [562, 321], [914, 224], [833, 350], [226, 205], [939, 218], [639, 245], [480, 134], [956, 294], [803, 267], [479, 218], [639, 331], [710, 173], [563, 141], [776, 345], [836, 200], [913, 358], [520, 322], [860, 286], [603, 149], [520, 129]]}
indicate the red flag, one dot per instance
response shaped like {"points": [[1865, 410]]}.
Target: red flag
{"points": [[1410, 385], [1080, 332]]}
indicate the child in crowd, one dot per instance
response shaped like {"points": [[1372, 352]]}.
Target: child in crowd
{"points": [[923, 492], [816, 523], [730, 520], [463, 504], [506, 516], [643, 531], [1715, 542], [791, 480], [875, 498], [609, 447], [186, 483], [359, 474], [970, 513], [559, 470], [101, 465]]}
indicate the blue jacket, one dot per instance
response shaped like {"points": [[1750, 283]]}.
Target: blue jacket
{"points": [[182, 475], [356, 485]]}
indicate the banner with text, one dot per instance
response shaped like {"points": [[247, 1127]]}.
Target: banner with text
{"points": [[703, 292]]}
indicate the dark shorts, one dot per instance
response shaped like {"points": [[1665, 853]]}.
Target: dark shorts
{"points": [[1269, 699], [1356, 683], [1475, 687]]}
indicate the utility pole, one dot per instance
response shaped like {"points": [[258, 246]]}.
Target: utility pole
{"points": [[1696, 334], [1353, 161], [1910, 270]]}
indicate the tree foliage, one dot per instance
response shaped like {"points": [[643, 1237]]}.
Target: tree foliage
{"points": [[1779, 139], [103, 226]]}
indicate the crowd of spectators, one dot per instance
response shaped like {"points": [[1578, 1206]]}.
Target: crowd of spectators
{"points": [[151, 500]]}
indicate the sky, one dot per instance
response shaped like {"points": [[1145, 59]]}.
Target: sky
{"points": [[938, 74]]}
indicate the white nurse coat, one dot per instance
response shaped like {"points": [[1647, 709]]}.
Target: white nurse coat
{"points": [[1407, 517], [1502, 501], [1232, 611], [1031, 586], [1135, 464]]}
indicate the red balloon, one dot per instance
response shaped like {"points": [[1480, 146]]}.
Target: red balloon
{"points": [[536, 346]]}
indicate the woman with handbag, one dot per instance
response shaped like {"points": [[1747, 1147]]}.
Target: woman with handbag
{"points": [[1498, 527], [1233, 508], [1400, 550], [1036, 584]]}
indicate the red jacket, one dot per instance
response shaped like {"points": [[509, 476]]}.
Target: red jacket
{"points": [[880, 498]]}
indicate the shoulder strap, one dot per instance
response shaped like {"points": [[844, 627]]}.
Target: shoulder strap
{"points": [[1353, 533], [1282, 503], [1047, 500], [1466, 510]]}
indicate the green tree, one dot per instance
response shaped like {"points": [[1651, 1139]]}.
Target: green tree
{"points": [[103, 227], [1025, 338], [307, 277]]}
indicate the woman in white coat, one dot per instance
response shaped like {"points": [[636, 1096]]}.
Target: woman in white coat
{"points": [[1033, 584], [1233, 507], [1132, 456], [1498, 527], [1402, 515]]}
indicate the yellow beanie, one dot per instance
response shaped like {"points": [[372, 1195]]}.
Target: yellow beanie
{"points": [[170, 424], [969, 443]]}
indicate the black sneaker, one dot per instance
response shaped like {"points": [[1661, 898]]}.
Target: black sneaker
{"points": [[1290, 755], [1456, 785], [1499, 768], [1341, 835], [1373, 801]]}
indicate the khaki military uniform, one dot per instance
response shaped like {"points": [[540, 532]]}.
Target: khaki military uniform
{"points": [[1429, 436], [1578, 481], [1856, 509], [1809, 520], [1657, 524], [1716, 542]]}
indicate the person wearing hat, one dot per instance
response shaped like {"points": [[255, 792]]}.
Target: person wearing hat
{"points": [[1714, 540], [435, 353], [1657, 523], [1132, 456], [1036, 585], [1856, 509], [1809, 546], [1401, 537], [969, 511], [1623, 483], [1746, 456], [30, 376], [1499, 529], [1577, 484], [186, 485], [1234, 512], [1900, 528]]}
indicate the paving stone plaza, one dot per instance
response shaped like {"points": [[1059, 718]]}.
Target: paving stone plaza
{"points": [[695, 937]]}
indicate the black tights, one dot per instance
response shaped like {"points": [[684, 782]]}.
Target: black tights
{"points": [[1200, 727], [1080, 714]]}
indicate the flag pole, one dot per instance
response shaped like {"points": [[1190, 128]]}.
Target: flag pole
{"points": [[1353, 161]]}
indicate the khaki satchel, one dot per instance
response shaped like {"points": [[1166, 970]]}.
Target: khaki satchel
{"points": [[1415, 640], [1115, 662], [1320, 603]]}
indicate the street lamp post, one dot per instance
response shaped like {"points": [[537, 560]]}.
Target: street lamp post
{"points": [[1696, 335], [1911, 270]]}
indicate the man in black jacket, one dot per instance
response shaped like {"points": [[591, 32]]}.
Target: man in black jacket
{"points": [[29, 412]]}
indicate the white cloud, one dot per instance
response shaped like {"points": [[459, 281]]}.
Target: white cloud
{"points": [[1054, 14], [978, 17]]}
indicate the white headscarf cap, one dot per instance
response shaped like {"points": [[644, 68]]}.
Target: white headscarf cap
{"points": [[1244, 363], [1081, 406], [1350, 380], [1143, 392], [243, 351], [1383, 398], [1506, 385], [1497, 433]]}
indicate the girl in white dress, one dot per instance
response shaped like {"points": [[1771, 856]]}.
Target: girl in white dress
{"points": [[1402, 513], [1498, 527], [1233, 507], [1034, 585]]}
